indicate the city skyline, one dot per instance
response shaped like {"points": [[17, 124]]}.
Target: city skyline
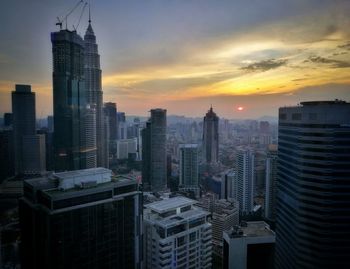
{"points": [[228, 54]]}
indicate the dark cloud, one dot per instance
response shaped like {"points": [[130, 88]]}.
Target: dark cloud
{"points": [[331, 62], [265, 65], [345, 46]]}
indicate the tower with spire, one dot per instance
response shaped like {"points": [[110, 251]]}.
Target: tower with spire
{"points": [[211, 137], [92, 72]]}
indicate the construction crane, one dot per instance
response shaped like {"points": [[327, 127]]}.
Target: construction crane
{"points": [[65, 18]]}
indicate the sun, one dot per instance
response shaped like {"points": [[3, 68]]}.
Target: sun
{"points": [[240, 108]]}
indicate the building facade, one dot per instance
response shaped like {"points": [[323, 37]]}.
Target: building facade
{"points": [[94, 93], [81, 219], [176, 235], [245, 160], [211, 137], [271, 183], [313, 191], [189, 161], [154, 170], [250, 246]]}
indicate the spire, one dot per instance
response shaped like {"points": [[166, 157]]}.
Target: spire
{"points": [[89, 14]]}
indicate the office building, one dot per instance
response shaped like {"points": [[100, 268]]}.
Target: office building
{"points": [[188, 180], [313, 190], [94, 94], [8, 119], [125, 147], [271, 183], [250, 246], [111, 111], [34, 154], [176, 235], [121, 126], [211, 137], [245, 180], [7, 167], [29, 148], [228, 185], [81, 219], [69, 103], [154, 169], [224, 217]]}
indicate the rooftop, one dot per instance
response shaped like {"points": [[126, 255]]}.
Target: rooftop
{"points": [[169, 204], [252, 229], [188, 145]]}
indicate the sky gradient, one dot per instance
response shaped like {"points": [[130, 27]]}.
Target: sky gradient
{"points": [[186, 55]]}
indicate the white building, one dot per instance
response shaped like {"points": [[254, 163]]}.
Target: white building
{"points": [[126, 146], [245, 180], [176, 235], [249, 246]]}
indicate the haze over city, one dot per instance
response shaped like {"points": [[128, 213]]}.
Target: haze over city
{"points": [[186, 55]]}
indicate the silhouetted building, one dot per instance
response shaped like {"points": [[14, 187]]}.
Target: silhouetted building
{"points": [[211, 137], [94, 94], [188, 180], [7, 167], [229, 185], [121, 126], [8, 119], [271, 183], [313, 196], [111, 111], [69, 103], [154, 170], [250, 246], [26, 143], [81, 219], [50, 126]]}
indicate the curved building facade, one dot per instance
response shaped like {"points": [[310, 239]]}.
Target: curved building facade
{"points": [[313, 190]]}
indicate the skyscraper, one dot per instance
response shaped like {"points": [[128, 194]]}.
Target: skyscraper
{"points": [[29, 148], [271, 183], [245, 180], [69, 103], [313, 197], [94, 94], [188, 180], [111, 111], [81, 219], [211, 137], [154, 167]]}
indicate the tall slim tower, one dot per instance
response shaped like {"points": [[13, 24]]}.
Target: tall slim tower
{"points": [[313, 190], [94, 94], [271, 183], [211, 137], [189, 168], [23, 109], [154, 168], [245, 180], [69, 102]]}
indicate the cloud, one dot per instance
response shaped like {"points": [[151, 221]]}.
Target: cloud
{"points": [[345, 46], [331, 62], [265, 65]]}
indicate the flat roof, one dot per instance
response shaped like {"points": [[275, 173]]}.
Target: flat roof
{"points": [[83, 172], [257, 228], [169, 204]]}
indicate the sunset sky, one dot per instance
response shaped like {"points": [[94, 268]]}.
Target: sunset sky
{"points": [[184, 55]]}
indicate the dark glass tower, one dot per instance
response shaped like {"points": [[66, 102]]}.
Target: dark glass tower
{"points": [[94, 94], [211, 137], [69, 102], [313, 188], [81, 219], [154, 169]]}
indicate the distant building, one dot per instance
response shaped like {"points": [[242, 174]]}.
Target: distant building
{"points": [[229, 185], [211, 137], [8, 119], [29, 148], [313, 190], [126, 147], [94, 94], [81, 219], [176, 235], [225, 215], [189, 161], [154, 170], [121, 126], [250, 246], [111, 111], [271, 183], [7, 167], [245, 180], [50, 125]]}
